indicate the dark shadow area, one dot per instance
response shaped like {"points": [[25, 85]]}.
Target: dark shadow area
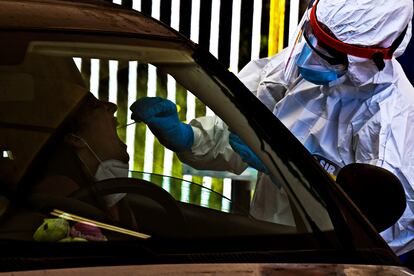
{"points": [[407, 60]]}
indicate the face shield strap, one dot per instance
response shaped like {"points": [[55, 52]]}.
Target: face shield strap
{"points": [[378, 58], [399, 40], [333, 59], [375, 53]]}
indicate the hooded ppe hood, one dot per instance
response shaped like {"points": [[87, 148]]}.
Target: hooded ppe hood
{"points": [[368, 23]]}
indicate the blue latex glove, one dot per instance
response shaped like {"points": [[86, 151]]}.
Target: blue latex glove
{"points": [[246, 154], [162, 118]]}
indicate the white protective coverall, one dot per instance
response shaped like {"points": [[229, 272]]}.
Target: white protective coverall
{"points": [[365, 117]]}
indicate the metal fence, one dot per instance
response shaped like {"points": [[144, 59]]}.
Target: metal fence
{"points": [[234, 31]]}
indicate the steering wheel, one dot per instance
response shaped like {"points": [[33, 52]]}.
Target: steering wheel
{"points": [[176, 222]]}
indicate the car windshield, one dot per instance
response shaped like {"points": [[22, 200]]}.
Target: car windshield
{"points": [[59, 90]]}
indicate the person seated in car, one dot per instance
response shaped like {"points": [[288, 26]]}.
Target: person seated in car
{"points": [[89, 150]]}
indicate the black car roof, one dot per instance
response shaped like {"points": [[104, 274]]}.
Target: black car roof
{"points": [[84, 16]]}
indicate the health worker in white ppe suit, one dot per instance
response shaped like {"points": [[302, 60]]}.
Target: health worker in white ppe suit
{"points": [[337, 87]]}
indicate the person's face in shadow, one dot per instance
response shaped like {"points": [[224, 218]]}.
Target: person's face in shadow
{"points": [[97, 125]]}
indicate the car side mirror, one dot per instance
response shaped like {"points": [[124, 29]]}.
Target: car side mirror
{"points": [[377, 192]]}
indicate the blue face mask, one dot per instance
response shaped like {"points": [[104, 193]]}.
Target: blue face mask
{"points": [[319, 74]]}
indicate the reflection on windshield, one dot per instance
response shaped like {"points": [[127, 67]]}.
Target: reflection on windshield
{"points": [[72, 217], [181, 189]]}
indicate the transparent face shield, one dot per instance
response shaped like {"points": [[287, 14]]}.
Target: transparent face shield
{"points": [[311, 58]]}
